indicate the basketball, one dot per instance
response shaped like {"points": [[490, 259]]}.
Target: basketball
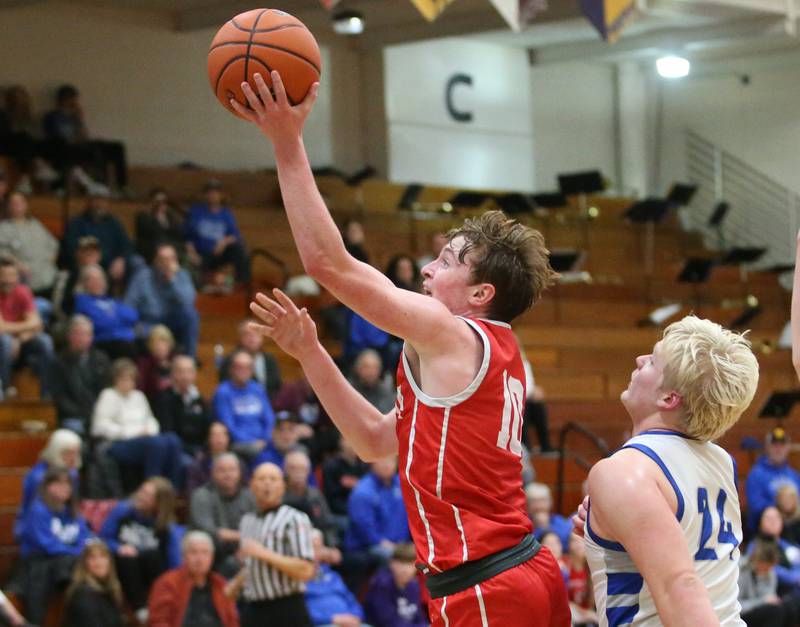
{"points": [[259, 41]]}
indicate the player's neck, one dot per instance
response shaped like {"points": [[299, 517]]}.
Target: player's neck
{"points": [[656, 422]]}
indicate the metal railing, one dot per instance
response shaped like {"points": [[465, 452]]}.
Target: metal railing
{"points": [[763, 213], [599, 443]]}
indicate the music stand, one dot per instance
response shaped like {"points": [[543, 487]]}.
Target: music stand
{"points": [[716, 220], [648, 212], [779, 405], [514, 203], [410, 196], [581, 183], [567, 263], [740, 257], [549, 200], [696, 271], [744, 318], [681, 194], [469, 200]]}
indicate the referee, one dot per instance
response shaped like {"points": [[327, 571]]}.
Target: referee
{"points": [[276, 542]]}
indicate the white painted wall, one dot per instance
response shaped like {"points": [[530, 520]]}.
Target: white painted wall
{"points": [[494, 150], [141, 82]]}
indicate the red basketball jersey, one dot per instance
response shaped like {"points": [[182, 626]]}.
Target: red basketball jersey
{"points": [[460, 457]]}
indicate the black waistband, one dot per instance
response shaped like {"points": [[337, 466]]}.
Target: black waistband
{"points": [[471, 574]]}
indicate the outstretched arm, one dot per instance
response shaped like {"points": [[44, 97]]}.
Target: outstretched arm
{"points": [[628, 506], [371, 433], [796, 311], [426, 323]]}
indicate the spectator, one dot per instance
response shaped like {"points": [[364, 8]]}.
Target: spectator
{"points": [[141, 534], [164, 294], [551, 540], [788, 569], [243, 406], [115, 247], [87, 254], [361, 335], [212, 236], [69, 142], [33, 248], [265, 367], [305, 497], [218, 507], [366, 379], [403, 272], [328, 599], [540, 510], [10, 614], [579, 588], [22, 339], [95, 595], [219, 441], [438, 241], [378, 519], [285, 436], [161, 223], [123, 420], [340, 474], [353, 236], [180, 409], [758, 589], [155, 367], [393, 598], [768, 474], [62, 452], [113, 320], [79, 375], [276, 542], [52, 537], [787, 503], [192, 594], [535, 415]]}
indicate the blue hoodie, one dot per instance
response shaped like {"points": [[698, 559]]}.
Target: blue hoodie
{"points": [[30, 486], [327, 595], [246, 411], [50, 533], [204, 228], [126, 525], [376, 513], [762, 486], [112, 319]]}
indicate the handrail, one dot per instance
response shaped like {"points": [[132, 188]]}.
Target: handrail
{"points": [[599, 443], [274, 260]]}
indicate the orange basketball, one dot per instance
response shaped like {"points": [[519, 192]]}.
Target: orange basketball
{"points": [[260, 41]]}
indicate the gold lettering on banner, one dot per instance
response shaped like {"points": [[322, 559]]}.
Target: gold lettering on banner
{"points": [[431, 9]]}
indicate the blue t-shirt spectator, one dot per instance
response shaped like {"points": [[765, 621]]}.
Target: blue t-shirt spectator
{"points": [[245, 410], [204, 228], [127, 525], [30, 487], [49, 533], [559, 525], [376, 513], [112, 319], [327, 595], [762, 486], [386, 605]]}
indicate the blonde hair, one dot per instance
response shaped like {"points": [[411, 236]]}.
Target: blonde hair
{"points": [[715, 372], [60, 441], [788, 488], [165, 502], [160, 332], [81, 575]]}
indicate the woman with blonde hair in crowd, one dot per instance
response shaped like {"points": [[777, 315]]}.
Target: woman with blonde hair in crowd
{"points": [[155, 366], [95, 595], [788, 504], [142, 535], [63, 451]]}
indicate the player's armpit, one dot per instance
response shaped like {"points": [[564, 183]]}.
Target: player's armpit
{"points": [[629, 507], [424, 321]]}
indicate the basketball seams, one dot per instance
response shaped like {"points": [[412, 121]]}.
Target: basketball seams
{"points": [[259, 44], [235, 24], [250, 43]]}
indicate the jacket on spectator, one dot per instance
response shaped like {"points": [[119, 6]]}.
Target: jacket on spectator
{"points": [[265, 370], [77, 381], [155, 299], [337, 475], [762, 486], [246, 411], [188, 416], [110, 233], [376, 513], [33, 245], [327, 595], [203, 229], [150, 232], [387, 606], [170, 594], [50, 533], [126, 525], [753, 590], [88, 606], [209, 511], [118, 417], [112, 319], [30, 486]]}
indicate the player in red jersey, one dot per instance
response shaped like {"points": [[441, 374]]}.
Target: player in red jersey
{"points": [[457, 423]]}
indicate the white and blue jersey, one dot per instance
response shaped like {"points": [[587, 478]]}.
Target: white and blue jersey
{"points": [[703, 476]]}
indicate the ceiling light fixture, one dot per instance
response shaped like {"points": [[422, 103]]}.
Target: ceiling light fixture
{"points": [[348, 23], [673, 67]]}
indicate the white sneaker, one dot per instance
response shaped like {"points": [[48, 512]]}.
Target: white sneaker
{"points": [[24, 185], [43, 171], [142, 614]]}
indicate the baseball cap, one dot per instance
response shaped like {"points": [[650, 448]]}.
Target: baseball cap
{"points": [[212, 184], [286, 416], [777, 436]]}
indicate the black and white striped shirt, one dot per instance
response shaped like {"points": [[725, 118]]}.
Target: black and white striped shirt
{"points": [[284, 530]]}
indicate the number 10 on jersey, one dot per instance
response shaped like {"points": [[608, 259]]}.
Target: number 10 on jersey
{"points": [[510, 436]]}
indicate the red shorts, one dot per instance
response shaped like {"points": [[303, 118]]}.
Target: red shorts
{"points": [[529, 595]]}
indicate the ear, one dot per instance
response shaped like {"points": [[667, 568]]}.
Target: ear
{"points": [[481, 295], [669, 401]]}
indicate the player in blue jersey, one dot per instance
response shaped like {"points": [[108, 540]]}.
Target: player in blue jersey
{"points": [[663, 523]]}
